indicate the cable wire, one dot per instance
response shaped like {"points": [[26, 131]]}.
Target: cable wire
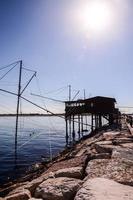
{"points": [[9, 65], [8, 72]]}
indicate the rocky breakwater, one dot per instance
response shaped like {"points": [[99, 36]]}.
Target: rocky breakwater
{"points": [[100, 167]]}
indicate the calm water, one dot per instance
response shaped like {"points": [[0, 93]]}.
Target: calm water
{"points": [[37, 137]]}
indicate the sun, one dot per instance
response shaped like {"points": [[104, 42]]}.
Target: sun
{"points": [[97, 15]]}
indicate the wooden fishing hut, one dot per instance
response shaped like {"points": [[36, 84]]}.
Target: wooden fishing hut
{"points": [[96, 108]]}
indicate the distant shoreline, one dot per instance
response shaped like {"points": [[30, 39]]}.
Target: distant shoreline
{"points": [[32, 115]]}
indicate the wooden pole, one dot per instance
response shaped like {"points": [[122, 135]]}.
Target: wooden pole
{"points": [[92, 122], [18, 104], [79, 125], [73, 133], [70, 128], [82, 127], [85, 115], [66, 132], [69, 92], [100, 120]]}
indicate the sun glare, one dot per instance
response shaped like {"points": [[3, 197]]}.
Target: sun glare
{"points": [[96, 15]]}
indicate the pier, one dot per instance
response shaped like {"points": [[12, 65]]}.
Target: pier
{"points": [[97, 108]]}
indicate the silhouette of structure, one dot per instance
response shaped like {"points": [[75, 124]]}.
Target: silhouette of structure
{"points": [[97, 108], [20, 91]]}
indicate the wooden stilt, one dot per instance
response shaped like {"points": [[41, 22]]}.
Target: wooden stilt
{"points": [[82, 127], [73, 133], [79, 125], [92, 126], [70, 138], [100, 121], [95, 121], [66, 131], [18, 103]]}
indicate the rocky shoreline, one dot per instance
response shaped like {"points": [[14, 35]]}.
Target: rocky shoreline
{"points": [[99, 167]]}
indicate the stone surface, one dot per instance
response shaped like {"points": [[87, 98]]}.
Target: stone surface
{"points": [[111, 134], [58, 188], [35, 199], [127, 145], [73, 162], [73, 172], [104, 147], [82, 152], [34, 183], [104, 189], [119, 141], [19, 195], [117, 169], [18, 190], [126, 154], [130, 128], [12, 188], [101, 156]]}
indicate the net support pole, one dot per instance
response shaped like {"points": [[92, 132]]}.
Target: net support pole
{"points": [[18, 104]]}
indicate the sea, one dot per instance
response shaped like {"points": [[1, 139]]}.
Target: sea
{"points": [[39, 138]]}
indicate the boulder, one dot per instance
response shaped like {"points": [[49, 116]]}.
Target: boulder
{"points": [[73, 172], [111, 134], [104, 147], [117, 169], [82, 152], [122, 140], [73, 162], [19, 195], [103, 189], [61, 188], [101, 156], [95, 168], [124, 153], [130, 129], [35, 182], [7, 190], [127, 145]]}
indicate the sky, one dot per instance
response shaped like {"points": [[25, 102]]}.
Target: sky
{"points": [[50, 38]]}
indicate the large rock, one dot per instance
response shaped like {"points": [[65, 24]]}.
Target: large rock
{"points": [[104, 189], [122, 140], [111, 134], [124, 153], [100, 156], [95, 168], [82, 152], [58, 189], [117, 169], [19, 195], [104, 147], [31, 186], [7, 190], [73, 172], [73, 162], [130, 129], [127, 145]]}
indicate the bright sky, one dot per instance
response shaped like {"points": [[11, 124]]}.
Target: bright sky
{"points": [[88, 45]]}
